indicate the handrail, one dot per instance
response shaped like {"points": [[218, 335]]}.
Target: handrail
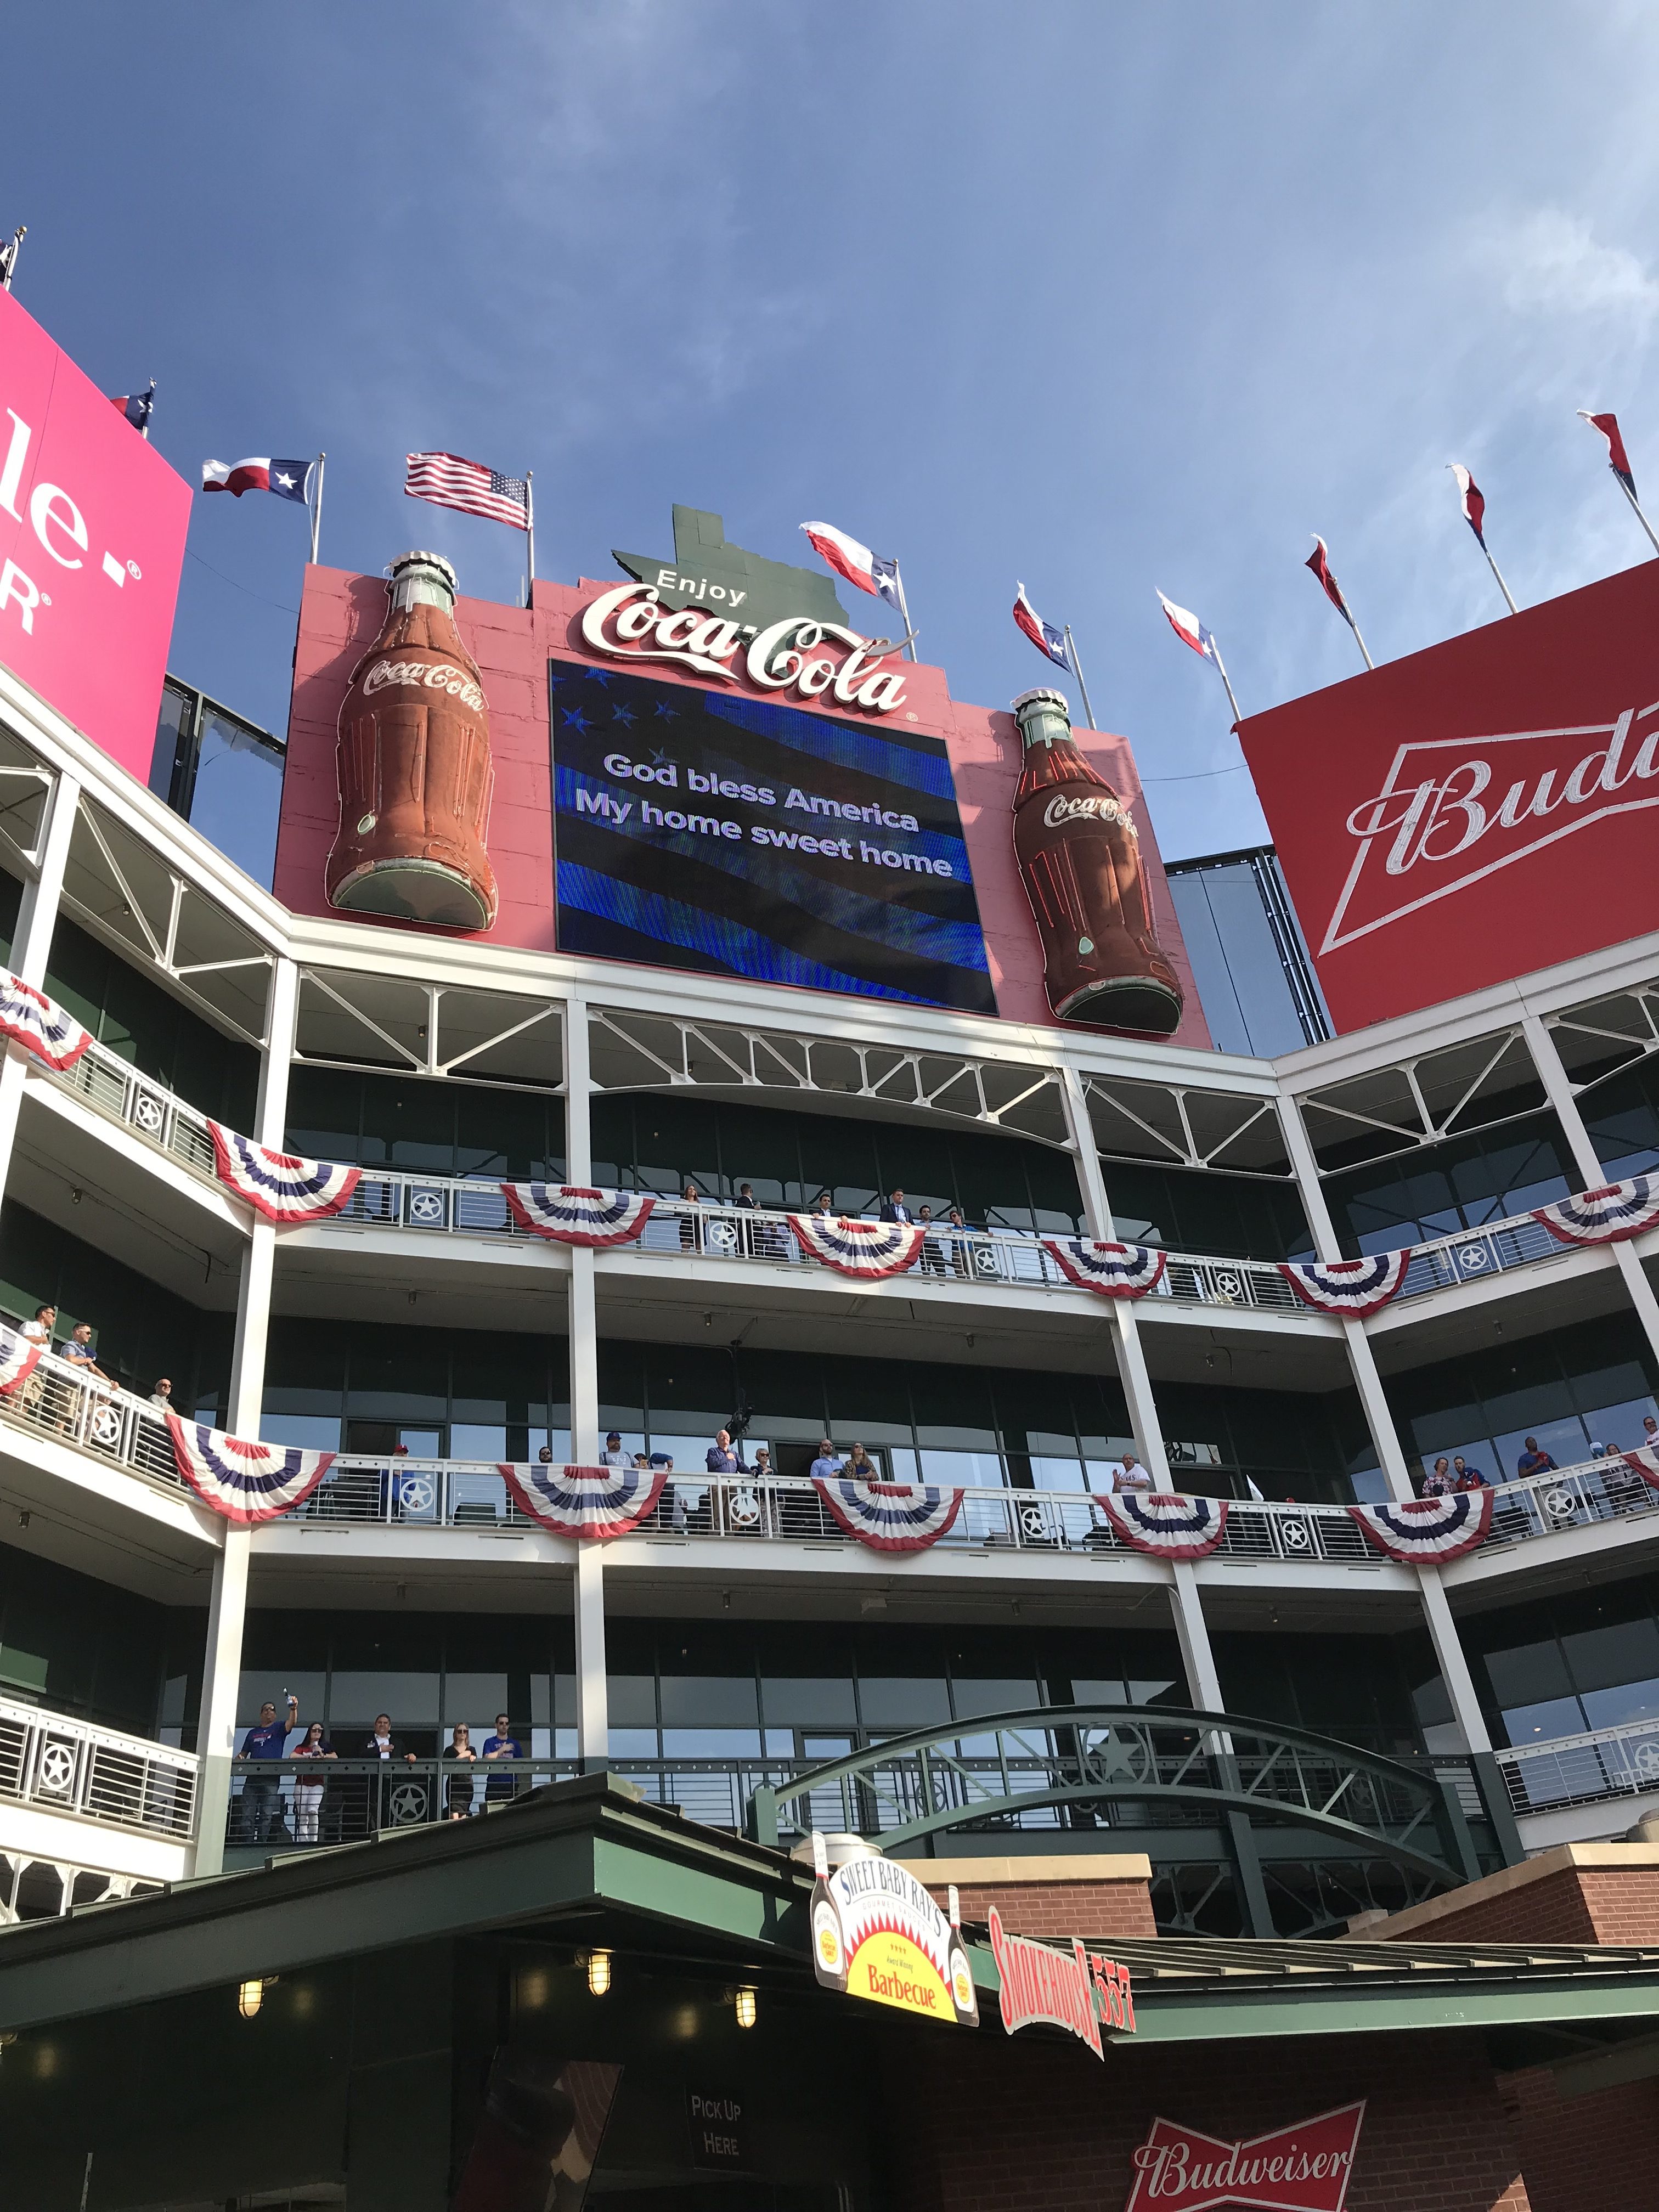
{"points": [[1586, 1769], [74, 1767], [118, 1089]]}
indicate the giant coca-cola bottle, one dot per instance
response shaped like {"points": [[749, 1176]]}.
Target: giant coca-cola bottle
{"points": [[415, 774], [1080, 858]]}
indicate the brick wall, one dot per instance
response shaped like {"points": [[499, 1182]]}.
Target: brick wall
{"points": [[1577, 1894], [1035, 2125], [1050, 1898], [1595, 2154]]}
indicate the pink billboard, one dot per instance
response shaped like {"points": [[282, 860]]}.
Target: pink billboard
{"points": [[92, 540]]}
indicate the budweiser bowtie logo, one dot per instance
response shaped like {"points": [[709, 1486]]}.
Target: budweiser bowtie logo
{"points": [[1306, 2168], [1455, 809]]}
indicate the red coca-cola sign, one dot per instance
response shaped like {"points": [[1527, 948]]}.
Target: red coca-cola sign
{"points": [[1444, 821], [1304, 2168]]}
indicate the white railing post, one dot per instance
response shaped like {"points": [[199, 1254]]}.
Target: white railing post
{"points": [[31, 946], [1558, 1089]]}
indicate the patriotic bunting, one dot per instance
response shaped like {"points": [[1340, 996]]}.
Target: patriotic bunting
{"points": [[585, 1501], [1425, 1531], [18, 1360], [890, 1517], [28, 1017], [1606, 1215], [1116, 1271], [282, 1187], [571, 1213], [1645, 1459], [246, 1482], [1165, 1523], [1350, 1287], [859, 1248]]}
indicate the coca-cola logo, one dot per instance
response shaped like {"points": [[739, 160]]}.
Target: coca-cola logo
{"points": [[1305, 2168], [1062, 810], [439, 676], [1453, 811], [630, 624]]}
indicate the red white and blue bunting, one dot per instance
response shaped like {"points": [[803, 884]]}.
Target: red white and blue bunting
{"points": [[890, 1517], [1352, 1288], [18, 1360], [246, 1482], [282, 1187], [1165, 1523], [585, 1501], [1645, 1459], [1116, 1271], [859, 1248], [1606, 1215], [571, 1213], [39, 1024], [1427, 1530]]}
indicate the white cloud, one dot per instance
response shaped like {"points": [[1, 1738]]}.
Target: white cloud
{"points": [[1551, 264]]}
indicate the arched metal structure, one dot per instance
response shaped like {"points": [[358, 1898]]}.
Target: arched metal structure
{"points": [[1148, 1762]]}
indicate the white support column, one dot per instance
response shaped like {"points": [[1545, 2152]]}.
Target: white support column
{"points": [[1192, 1634], [1558, 1088], [222, 1670], [593, 1695], [1454, 1665], [37, 917]]}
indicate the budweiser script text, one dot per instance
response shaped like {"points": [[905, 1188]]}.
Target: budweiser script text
{"points": [[1305, 2168], [1442, 819], [784, 657]]}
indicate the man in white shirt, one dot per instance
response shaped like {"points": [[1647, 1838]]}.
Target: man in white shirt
{"points": [[38, 1332], [1132, 1475], [613, 1455]]}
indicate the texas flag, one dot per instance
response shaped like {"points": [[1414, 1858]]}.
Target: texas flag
{"points": [[1188, 627], [1474, 504], [287, 479], [1618, 459], [137, 407], [1046, 638], [860, 567]]}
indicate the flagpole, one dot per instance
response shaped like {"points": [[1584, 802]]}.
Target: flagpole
{"points": [[904, 611], [317, 510], [530, 530], [1359, 640], [1509, 597], [1636, 509], [1221, 671], [144, 433], [1077, 671], [9, 260]]}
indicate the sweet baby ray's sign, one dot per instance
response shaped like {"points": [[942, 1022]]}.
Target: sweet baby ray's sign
{"points": [[877, 1933]]}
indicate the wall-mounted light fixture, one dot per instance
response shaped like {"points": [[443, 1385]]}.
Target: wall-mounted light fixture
{"points": [[251, 1995], [742, 2003], [598, 1972]]}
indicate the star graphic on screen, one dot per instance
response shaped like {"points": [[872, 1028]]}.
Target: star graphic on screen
{"points": [[665, 712], [660, 759], [575, 719], [600, 675], [625, 715]]}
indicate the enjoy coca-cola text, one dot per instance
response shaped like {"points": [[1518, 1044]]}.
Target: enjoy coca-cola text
{"points": [[630, 624]]}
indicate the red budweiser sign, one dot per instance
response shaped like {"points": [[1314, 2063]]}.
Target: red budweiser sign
{"points": [[1441, 821], [1305, 2168]]}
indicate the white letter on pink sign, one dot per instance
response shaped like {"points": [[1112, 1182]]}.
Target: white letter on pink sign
{"points": [[12, 475], [51, 507]]}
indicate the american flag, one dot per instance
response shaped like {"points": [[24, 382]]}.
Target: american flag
{"points": [[448, 481]]}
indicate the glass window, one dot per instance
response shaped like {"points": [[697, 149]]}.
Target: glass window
{"points": [[356, 1696], [1541, 1723], [1528, 1673], [476, 1699], [1564, 1440], [1625, 1651], [260, 1684], [708, 1701], [301, 1432], [239, 790], [974, 1695]]}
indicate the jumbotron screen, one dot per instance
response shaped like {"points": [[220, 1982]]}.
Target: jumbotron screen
{"points": [[737, 837]]}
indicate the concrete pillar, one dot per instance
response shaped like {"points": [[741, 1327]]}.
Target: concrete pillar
{"points": [[1453, 1663], [37, 917], [1558, 1088], [222, 1670], [593, 1693], [592, 1699]]}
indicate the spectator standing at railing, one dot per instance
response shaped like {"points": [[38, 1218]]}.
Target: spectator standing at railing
{"points": [[934, 1245], [1466, 1477], [961, 1257], [613, 1455], [77, 1354], [895, 1209], [262, 1793], [1131, 1475], [860, 1467], [161, 1396], [763, 1468], [826, 1466], [383, 1745], [38, 1332], [308, 1785], [691, 1227], [1533, 1461], [461, 1789], [722, 1460], [1649, 1432], [1437, 1482], [503, 1745]]}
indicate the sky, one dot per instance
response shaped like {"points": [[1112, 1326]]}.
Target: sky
{"points": [[1102, 297]]}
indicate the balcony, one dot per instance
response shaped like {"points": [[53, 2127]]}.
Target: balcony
{"points": [[58, 1765], [1596, 1768], [115, 1087]]}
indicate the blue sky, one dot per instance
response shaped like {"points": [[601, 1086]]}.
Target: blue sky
{"points": [[1105, 297]]}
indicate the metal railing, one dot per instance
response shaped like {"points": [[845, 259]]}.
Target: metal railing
{"points": [[118, 1089], [63, 1765], [1582, 1770], [60, 1403], [1475, 1253]]}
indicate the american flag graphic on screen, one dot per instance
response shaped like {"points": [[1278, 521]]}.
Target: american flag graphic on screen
{"points": [[448, 481]]}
